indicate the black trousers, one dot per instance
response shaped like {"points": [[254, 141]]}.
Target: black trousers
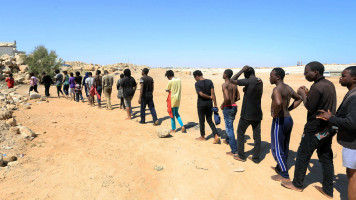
{"points": [[308, 145], [59, 90], [47, 90], [33, 88], [256, 129], [205, 112]]}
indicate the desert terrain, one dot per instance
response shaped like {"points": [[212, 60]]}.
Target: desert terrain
{"points": [[83, 152]]}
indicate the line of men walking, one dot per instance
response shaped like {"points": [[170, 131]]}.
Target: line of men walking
{"points": [[320, 102]]}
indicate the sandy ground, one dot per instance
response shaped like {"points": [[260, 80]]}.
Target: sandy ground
{"points": [[91, 153]]}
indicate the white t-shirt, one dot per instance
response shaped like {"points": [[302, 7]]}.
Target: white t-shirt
{"points": [[89, 81]]}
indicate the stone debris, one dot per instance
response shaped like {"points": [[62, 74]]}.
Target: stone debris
{"points": [[34, 95], [11, 122], [26, 132], [158, 168], [163, 132]]}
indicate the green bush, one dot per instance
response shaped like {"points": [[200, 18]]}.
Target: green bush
{"points": [[41, 61]]}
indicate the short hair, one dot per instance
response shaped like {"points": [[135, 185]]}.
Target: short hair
{"points": [[32, 74], [127, 72], [316, 66], [228, 73], [106, 72], [77, 73], [169, 73], [10, 75], [65, 72], [279, 72], [98, 72], [249, 72], [145, 70], [352, 70], [56, 71], [197, 73], [121, 75], [43, 73], [90, 74], [71, 74]]}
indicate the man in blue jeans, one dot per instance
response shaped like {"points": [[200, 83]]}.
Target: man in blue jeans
{"points": [[146, 97], [229, 108]]}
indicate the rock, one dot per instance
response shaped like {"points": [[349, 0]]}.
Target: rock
{"points": [[6, 69], [23, 68], [26, 132], [34, 95], [239, 169], [5, 114], [1, 160], [14, 130], [11, 122], [5, 57], [19, 80], [163, 132], [10, 159], [158, 168], [10, 107], [19, 59], [2, 77]]}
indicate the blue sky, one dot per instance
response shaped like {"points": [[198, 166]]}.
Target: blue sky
{"points": [[201, 33]]}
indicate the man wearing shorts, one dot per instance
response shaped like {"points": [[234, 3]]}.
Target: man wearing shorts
{"points": [[345, 120], [282, 122], [129, 88]]}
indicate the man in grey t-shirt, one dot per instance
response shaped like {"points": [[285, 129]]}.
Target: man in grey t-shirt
{"points": [[59, 82], [89, 82]]}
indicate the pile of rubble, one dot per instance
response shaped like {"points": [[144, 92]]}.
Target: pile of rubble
{"points": [[13, 136], [85, 67], [14, 65]]}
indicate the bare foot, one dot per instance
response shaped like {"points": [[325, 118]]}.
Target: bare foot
{"points": [[320, 189], [201, 138], [279, 178], [216, 140], [289, 185], [183, 129], [237, 157], [225, 142], [230, 153], [275, 170]]}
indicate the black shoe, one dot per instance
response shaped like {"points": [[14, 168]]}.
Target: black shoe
{"points": [[142, 122]]}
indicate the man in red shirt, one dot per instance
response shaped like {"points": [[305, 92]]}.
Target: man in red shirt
{"points": [[10, 81]]}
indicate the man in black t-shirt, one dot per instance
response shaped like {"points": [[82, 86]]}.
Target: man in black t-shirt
{"points": [[206, 94], [129, 88], [146, 97], [47, 82], [251, 112]]}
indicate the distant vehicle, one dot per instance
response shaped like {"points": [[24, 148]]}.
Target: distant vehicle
{"points": [[327, 74]]}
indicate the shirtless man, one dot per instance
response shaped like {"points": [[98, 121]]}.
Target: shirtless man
{"points": [[229, 108], [282, 122]]}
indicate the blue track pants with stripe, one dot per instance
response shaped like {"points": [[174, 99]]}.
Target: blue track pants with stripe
{"points": [[280, 137]]}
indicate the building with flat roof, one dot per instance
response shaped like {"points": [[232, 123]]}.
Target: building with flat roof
{"points": [[9, 48]]}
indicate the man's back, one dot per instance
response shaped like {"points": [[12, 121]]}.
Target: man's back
{"points": [[128, 84], [147, 82], [286, 94], [251, 105], [174, 85], [232, 93], [108, 81]]}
